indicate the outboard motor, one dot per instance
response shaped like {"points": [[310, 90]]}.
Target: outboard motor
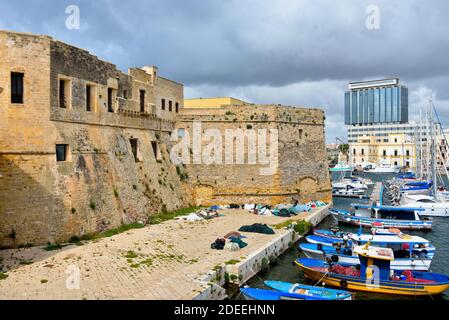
{"points": [[335, 229]]}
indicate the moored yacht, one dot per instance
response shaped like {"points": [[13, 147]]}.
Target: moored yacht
{"points": [[384, 168], [432, 207]]}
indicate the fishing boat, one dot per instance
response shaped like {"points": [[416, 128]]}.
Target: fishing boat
{"points": [[335, 232], [300, 288], [289, 291], [374, 274], [407, 176], [410, 252], [432, 207], [403, 218], [341, 167]]}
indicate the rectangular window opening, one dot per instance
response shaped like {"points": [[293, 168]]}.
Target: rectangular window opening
{"points": [[163, 104], [110, 107], [88, 98], [64, 93], [177, 107], [17, 87], [156, 150], [142, 100], [62, 152], [135, 148], [170, 106]]}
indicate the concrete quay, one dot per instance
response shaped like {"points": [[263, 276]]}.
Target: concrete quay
{"points": [[165, 261]]}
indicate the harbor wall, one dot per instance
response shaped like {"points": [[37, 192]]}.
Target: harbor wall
{"points": [[254, 263]]}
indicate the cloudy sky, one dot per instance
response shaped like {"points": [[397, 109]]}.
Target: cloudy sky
{"points": [[295, 52]]}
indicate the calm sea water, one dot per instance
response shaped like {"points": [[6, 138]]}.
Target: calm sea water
{"points": [[284, 270]]}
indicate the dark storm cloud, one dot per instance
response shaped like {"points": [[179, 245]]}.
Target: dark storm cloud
{"points": [[294, 52]]}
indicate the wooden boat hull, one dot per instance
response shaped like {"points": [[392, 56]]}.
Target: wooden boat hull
{"points": [[387, 287]]}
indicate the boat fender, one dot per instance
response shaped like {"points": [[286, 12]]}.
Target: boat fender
{"points": [[343, 283], [334, 258]]}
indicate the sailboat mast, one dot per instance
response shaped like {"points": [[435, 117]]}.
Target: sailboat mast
{"points": [[433, 153], [419, 145]]}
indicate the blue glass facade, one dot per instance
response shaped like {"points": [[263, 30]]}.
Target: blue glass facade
{"points": [[376, 105]]}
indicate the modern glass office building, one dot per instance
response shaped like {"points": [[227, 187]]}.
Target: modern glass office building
{"points": [[375, 102]]}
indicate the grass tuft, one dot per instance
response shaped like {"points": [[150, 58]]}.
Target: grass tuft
{"points": [[54, 246], [161, 217]]}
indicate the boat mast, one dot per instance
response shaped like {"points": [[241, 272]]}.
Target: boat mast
{"points": [[433, 153], [419, 162]]}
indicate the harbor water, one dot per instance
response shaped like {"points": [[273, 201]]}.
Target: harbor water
{"points": [[284, 270]]}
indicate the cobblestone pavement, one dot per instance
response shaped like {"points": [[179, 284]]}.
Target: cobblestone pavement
{"points": [[165, 261]]}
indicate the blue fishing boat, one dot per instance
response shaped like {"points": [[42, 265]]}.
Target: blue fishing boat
{"points": [[406, 176], [385, 217], [410, 252], [288, 291], [335, 233], [326, 241], [297, 288], [374, 274]]}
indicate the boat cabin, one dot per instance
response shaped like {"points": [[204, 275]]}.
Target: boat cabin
{"points": [[403, 246], [386, 212], [374, 257]]}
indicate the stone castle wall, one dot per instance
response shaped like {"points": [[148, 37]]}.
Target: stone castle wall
{"points": [[101, 185], [302, 172]]}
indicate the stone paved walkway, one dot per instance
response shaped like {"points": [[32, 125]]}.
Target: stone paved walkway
{"points": [[165, 261]]}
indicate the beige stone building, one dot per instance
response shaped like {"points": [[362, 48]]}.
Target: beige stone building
{"points": [[301, 171], [396, 150], [207, 103], [85, 147]]}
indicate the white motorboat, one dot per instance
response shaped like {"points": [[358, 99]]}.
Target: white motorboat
{"points": [[348, 191], [353, 182], [384, 168], [432, 207]]}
